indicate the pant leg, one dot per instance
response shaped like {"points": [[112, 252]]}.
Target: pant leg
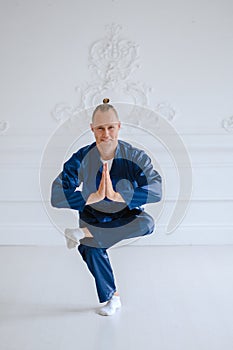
{"points": [[107, 234], [99, 265]]}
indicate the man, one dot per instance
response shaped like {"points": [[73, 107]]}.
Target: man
{"points": [[117, 180]]}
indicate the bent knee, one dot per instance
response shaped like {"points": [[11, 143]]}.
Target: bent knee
{"points": [[148, 223]]}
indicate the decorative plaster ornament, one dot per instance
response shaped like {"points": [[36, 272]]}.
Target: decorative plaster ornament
{"points": [[112, 61], [227, 124], [4, 125]]}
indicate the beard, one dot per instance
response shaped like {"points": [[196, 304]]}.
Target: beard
{"points": [[107, 147]]}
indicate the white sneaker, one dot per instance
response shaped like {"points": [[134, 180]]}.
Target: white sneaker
{"points": [[72, 236], [110, 308]]}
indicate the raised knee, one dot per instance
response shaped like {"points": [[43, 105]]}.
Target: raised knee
{"points": [[149, 223]]}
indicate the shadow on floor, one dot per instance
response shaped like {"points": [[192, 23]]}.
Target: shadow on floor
{"points": [[12, 311]]}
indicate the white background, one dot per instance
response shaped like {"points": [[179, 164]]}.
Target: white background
{"points": [[186, 55]]}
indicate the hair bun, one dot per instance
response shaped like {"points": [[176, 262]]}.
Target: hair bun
{"points": [[106, 100]]}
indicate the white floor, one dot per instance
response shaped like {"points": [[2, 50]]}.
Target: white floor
{"points": [[178, 297]]}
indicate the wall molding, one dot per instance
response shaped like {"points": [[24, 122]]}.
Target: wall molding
{"points": [[44, 134], [169, 200]]}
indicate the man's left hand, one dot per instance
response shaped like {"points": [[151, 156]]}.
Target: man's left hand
{"points": [[110, 193]]}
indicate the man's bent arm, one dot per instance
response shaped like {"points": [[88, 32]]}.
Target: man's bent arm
{"points": [[63, 191], [149, 184], [66, 197]]}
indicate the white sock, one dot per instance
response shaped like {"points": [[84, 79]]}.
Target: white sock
{"points": [[110, 308], [72, 236]]}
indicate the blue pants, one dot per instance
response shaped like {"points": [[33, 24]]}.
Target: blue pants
{"points": [[97, 259], [99, 265]]}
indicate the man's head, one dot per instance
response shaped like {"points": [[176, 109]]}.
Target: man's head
{"points": [[104, 107], [105, 126]]}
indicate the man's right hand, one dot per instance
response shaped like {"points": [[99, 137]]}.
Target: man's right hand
{"points": [[99, 195], [105, 189]]}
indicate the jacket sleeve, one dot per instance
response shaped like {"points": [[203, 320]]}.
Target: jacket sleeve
{"points": [[147, 184], [63, 191]]}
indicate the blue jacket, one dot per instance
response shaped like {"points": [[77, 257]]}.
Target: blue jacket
{"points": [[132, 175]]}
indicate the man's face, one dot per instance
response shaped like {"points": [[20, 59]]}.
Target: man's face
{"points": [[106, 127]]}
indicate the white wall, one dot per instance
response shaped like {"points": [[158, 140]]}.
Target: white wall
{"points": [[185, 53]]}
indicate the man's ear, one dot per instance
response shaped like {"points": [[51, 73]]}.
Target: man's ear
{"points": [[119, 125], [91, 126]]}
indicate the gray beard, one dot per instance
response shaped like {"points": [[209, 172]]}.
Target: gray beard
{"points": [[107, 151]]}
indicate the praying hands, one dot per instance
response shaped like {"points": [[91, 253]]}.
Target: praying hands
{"points": [[105, 189]]}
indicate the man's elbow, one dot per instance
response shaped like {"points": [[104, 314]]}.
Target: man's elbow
{"points": [[159, 186], [156, 197], [54, 202], [57, 196], [156, 193], [159, 195]]}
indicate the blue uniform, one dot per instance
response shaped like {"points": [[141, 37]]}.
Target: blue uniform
{"points": [[133, 176]]}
